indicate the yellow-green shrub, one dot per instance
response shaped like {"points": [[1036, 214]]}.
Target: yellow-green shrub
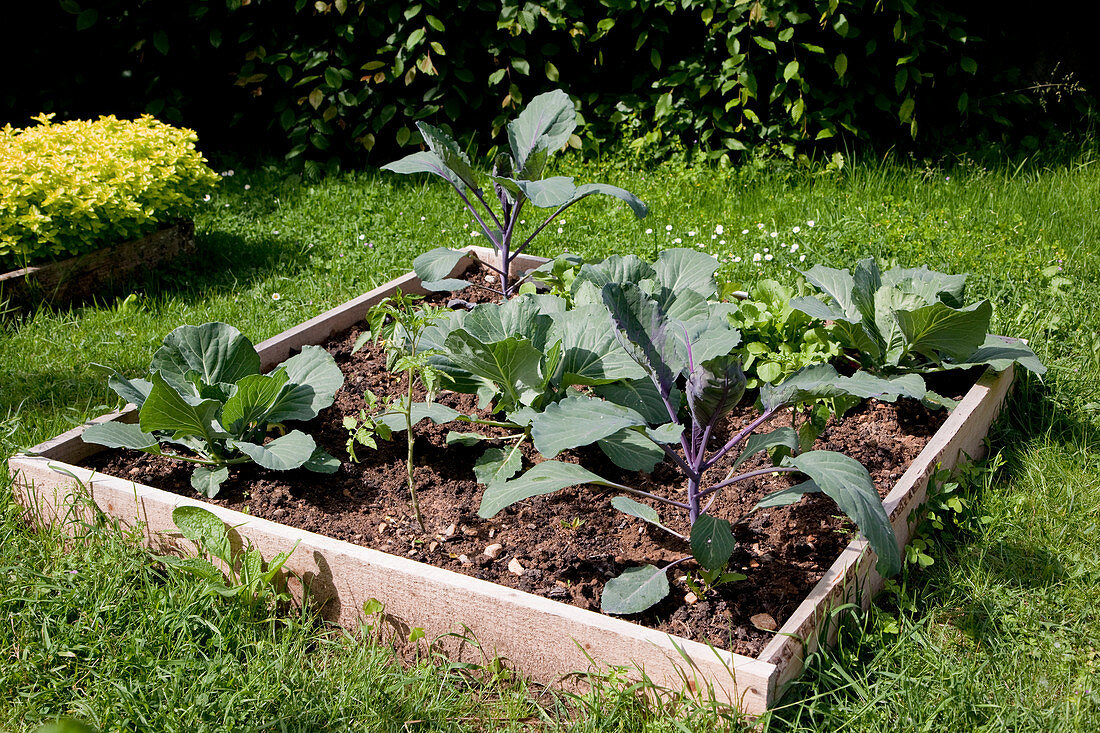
{"points": [[78, 186]]}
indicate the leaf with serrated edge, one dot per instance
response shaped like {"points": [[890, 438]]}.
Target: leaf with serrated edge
{"points": [[712, 542], [634, 591], [544, 478], [496, 465]]}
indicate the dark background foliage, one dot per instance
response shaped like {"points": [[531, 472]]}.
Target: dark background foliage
{"points": [[341, 82]]}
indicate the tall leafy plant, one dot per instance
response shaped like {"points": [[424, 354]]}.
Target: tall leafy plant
{"points": [[206, 395], [518, 178]]}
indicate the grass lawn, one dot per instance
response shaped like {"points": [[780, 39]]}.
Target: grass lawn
{"points": [[999, 632]]}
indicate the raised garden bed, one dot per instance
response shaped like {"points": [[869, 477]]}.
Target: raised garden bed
{"points": [[81, 278], [542, 637]]}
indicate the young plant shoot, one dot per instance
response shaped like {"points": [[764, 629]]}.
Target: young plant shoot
{"points": [[206, 394], [542, 129], [400, 324]]}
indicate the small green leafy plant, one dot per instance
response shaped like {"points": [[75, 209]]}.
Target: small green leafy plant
{"points": [[518, 178], [400, 323], [247, 577], [206, 395], [776, 339], [909, 321]]}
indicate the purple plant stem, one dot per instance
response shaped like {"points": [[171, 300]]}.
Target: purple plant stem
{"points": [[484, 227], [543, 225], [505, 257], [744, 433], [481, 198], [745, 476]]}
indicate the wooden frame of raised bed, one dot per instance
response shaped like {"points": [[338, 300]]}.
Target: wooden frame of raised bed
{"points": [[544, 639], [80, 278]]}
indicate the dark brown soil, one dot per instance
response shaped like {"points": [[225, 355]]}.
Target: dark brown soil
{"points": [[571, 542]]}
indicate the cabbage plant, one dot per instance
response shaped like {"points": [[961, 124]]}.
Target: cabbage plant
{"points": [[909, 321], [205, 395], [518, 179]]}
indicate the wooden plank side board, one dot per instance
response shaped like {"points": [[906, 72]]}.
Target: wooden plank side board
{"points": [[545, 639], [852, 578], [82, 277]]}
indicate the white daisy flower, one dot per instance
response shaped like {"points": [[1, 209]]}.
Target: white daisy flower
{"points": [[794, 248], [810, 223], [677, 240], [649, 231], [769, 258], [719, 229], [276, 296], [796, 230], [756, 257]]}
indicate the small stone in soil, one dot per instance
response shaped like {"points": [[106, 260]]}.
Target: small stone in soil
{"points": [[464, 560], [515, 567], [493, 550], [691, 598], [449, 532], [764, 621]]}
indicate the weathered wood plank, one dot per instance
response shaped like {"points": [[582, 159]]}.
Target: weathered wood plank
{"points": [[83, 277], [545, 639], [852, 578]]}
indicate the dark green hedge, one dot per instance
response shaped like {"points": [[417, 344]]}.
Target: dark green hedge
{"points": [[334, 81]]}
